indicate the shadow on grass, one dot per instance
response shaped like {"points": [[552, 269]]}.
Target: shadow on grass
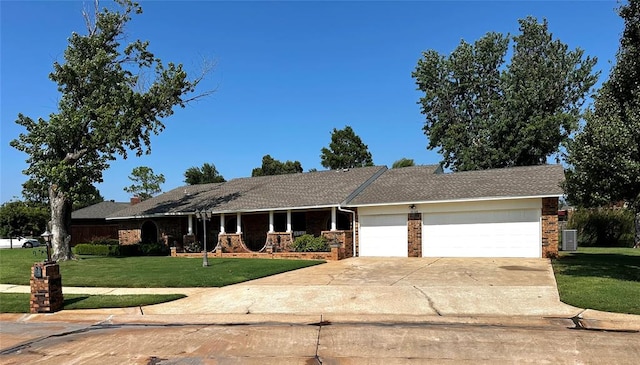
{"points": [[604, 265], [75, 299]]}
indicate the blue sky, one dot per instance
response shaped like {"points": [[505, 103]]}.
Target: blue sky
{"points": [[286, 74]]}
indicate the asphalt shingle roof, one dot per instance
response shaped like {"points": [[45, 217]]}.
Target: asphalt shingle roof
{"points": [[420, 184], [310, 189], [99, 211]]}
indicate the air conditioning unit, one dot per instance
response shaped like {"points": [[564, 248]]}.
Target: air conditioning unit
{"points": [[570, 240]]}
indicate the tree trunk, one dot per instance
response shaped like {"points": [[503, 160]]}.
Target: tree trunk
{"points": [[637, 234], [60, 224]]}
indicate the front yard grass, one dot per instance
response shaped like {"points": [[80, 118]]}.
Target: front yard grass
{"points": [[606, 279], [145, 272], [19, 302]]}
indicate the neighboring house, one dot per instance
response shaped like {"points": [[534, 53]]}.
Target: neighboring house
{"points": [[90, 222], [372, 211]]}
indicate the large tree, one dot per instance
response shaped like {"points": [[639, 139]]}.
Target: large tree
{"points": [[271, 166], [145, 182], [82, 195], [203, 175], [113, 97], [605, 156], [482, 113], [403, 162], [345, 151], [22, 219]]}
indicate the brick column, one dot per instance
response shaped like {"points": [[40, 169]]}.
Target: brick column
{"points": [[549, 227], [414, 226], [46, 288]]}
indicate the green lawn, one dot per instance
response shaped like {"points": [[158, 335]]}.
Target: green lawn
{"points": [[606, 279], [145, 272], [19, 302]]}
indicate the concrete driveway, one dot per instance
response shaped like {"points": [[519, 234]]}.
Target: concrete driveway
{"points": [[390, 286]]}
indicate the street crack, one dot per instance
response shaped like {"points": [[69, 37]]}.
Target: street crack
{"points": [[429, 300]]}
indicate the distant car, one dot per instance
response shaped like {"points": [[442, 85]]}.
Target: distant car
{"points": [[30, 243], [19, 242]]}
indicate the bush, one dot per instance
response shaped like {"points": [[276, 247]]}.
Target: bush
{"points": [[154, 249], [603, 227], [96, 250], [309, 243], [103, 241], [106, 250]]}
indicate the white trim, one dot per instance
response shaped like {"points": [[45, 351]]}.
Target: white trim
{"points": [[455, 200], [238, 223], [271, 228], [333, 219]]}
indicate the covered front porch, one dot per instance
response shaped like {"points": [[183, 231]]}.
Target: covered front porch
{"points": [[271, 233]]}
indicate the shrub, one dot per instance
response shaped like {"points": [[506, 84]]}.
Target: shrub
{"points": [[603, 227], [154, 249], [309, 243], [104, 241], [97, 250]]}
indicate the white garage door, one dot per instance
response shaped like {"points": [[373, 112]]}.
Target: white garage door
{"points": [[384, 235], [502, 233]]}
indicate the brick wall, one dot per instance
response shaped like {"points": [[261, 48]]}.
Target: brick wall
{"points": [[88, 231], [255, 228], [343, 238], [317, 221], [231, 242], [129, 232], [414, 226], [549, 227], [280, 241]]}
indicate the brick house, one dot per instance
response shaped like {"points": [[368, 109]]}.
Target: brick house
{"points": [[90, 222], [371, 211]]}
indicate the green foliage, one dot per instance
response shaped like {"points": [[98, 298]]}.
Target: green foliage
{"points": [[106, 109], [109, 248], [605, 156], [82, 195], [603, 227], [309, 243], [146, 271], [403, 162], [271, 166], [22, 219], [345, 151], [146, 183], [154, 249], [104, 241], [96, 249], [482, 113], [203, 175]]}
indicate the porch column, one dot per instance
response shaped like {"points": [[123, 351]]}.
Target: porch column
{"points": [[288, 220], [190, 218], [271, 230], [238, 223], [333, 218], [222, 223]]}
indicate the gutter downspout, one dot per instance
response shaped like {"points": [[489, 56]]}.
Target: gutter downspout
{"points": [[353, 231]]}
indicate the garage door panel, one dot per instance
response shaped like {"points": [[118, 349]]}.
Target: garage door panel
{"points": [[383, 235], [510, 233]]}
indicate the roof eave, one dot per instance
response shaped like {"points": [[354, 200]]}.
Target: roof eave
{"points": [[160, 215], [456, 200]]}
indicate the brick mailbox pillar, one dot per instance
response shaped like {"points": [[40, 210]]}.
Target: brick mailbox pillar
{"points": [[46, 288]]}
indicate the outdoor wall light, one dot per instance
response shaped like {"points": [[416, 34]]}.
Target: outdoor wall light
{"points": [[47, 242], [413, 208]]}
